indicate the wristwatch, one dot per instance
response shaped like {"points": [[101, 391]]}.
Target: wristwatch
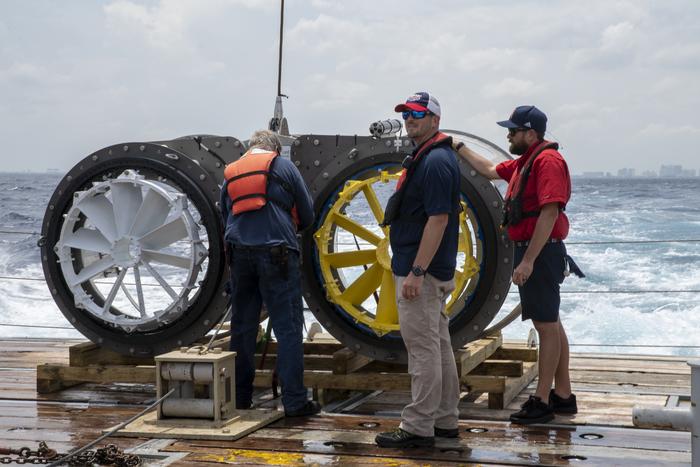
{"points": [[459, 146], [418, 271]]}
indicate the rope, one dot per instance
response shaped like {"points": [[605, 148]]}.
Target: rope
{"points": [[19, 232], [639, 345], [623, 242], [35, 326], [619, 291], [19, 278]]}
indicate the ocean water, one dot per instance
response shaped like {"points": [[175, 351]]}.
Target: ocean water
{"points": [[635, 296]]}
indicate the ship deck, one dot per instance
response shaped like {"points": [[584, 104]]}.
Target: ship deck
{"points": [[607, 387]]}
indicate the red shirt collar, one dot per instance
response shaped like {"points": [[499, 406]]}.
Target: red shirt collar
{"points": [[529, 152]]}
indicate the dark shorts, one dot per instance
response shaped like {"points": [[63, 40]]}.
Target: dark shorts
{"points": [[539, 296]]}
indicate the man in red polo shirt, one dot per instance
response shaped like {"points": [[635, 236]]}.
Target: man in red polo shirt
{"points": [[539, 186]]}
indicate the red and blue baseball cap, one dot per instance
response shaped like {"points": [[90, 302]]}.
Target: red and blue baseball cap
{"points": [[526, 116], [421, 101]]}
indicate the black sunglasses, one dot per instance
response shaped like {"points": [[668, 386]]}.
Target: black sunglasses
{"points": [[512, 131]]}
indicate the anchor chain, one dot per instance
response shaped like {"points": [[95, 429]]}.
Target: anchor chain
{"points": [[107, 455]]}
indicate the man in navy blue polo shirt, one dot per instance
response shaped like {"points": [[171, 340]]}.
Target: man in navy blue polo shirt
{"points": [[260, 213], [424, 236]]}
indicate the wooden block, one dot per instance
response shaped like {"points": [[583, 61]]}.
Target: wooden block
{"points": [[311, 362], [48, 379], [474, 353], [88, 353], [245, 422], [515, 352], [477, 383], [357, 381], [346, 361], [513, 387], [61, 376], [499, 368]]}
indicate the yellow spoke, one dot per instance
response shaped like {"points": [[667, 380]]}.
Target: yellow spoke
{"points": [[353, 227], [351, 258], [363, 285], [462, 243], [387, 313], [373, 202]]}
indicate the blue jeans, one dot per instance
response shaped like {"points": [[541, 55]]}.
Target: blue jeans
{"points": [[256, 278]]}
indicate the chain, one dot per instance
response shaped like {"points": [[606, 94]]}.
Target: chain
{"points": [[108, 455]]}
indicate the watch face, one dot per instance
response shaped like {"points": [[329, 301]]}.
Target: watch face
{"points": [[418, 271]]}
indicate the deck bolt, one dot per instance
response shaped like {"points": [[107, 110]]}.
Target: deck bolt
{"points": [[125, 148], [94, 157], [217, 144], [317, 163], [472, 173], [297, 163], [142, 148], [316, 142]]}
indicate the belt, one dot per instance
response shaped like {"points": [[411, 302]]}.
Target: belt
{"points": [[527, 242]]}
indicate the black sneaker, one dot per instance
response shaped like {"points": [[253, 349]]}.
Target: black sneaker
{"points": [[244, 405], [533, 411], [563, 406], [447, 432], [310, 408], [403, 439]]}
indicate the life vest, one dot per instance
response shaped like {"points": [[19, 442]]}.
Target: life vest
{"points": [[513, 207], [247, 181], [410, 164]]}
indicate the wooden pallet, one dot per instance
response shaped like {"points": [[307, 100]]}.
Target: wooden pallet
{"points": [[484, 366]]}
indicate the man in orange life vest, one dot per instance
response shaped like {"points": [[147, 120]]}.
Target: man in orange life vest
{"points": [[539, 188], [263, 202], [424, 237]]}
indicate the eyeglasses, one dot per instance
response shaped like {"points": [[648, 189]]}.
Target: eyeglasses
{"points": [[513, 131], [416, 114]]}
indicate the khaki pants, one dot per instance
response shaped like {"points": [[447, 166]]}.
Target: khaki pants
{"points": [[431, 362]]}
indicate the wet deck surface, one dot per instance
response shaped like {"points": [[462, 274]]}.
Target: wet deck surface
{"points": [[607, 387]]}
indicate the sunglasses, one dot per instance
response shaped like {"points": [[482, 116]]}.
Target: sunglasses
{"points": [[416, 114], [512, 131]]}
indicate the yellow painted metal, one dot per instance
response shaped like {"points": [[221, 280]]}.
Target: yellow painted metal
{"points": [[353, 271]]}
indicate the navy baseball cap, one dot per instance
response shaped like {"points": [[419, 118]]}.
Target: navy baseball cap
{"points": [[421, 101], [526, 116]]}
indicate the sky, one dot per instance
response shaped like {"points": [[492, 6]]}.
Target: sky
{"points": [[619, 80]]}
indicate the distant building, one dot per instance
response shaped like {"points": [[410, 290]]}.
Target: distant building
{"points": [[626, 173], [649, 174], [593, 174], [689, 173], [671, 171]]}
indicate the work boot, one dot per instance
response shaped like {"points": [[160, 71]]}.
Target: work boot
{"points": [[533, 411], [403, 439], [310, 408], [447, 432], [563, 406]]}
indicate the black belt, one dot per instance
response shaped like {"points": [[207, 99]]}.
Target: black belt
{"points": [[527, 242]]}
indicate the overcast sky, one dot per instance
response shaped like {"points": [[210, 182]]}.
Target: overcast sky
{"points": [[619, 80]]}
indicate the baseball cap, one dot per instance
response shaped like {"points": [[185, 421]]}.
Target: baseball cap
{"points": [[526, 116], [420, 101]]}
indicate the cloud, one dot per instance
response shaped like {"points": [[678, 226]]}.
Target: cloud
{"points": [[660, 129], [510, 87], [617, 37], [678, 55]]}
